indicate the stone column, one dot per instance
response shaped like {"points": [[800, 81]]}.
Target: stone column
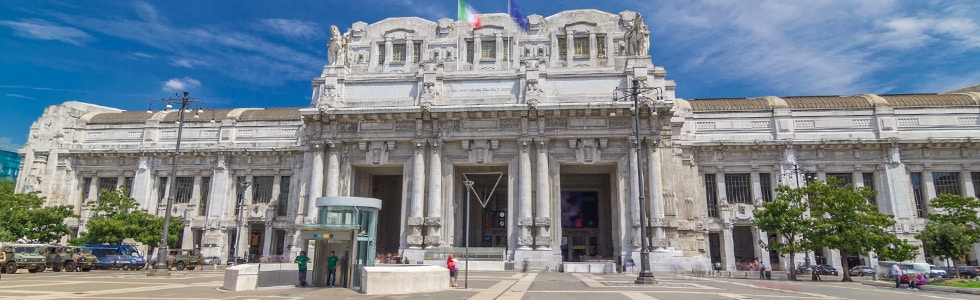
{"points": [[858, 179], [542, 216], [929, 190], [657, 221], [187, 238], [569, 49], [477, 51], [593, 48], [434, 220], [499, 51], [93, 189], [555, 49], [417, 204], [728, 256], [267, 239], [524, 221], [316, 183], [333, 170], [276, 187], [388, 53], [142, 183], [756, 186], [966, 184], [635, 208], [196, 192], [722, 193]]}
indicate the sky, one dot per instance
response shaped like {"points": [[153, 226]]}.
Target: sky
{"points": [[125, 54]]}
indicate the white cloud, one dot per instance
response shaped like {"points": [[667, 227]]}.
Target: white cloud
{"points": [[7, 145], [291, 28], [180, 84], [20, 96], [141, 54], [44, 30]]}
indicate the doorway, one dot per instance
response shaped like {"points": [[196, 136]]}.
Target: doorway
{"points": [[489, 206], [744, 244], [585, 217], [388, 188]]}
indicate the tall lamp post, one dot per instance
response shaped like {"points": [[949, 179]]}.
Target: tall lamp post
{"points": [[240, 224], [466, 253], [646, 275], [160, 268]]}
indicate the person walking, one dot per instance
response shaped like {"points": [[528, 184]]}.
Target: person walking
{"points": [[451, 263], [302, 260], [897, 272], [332, 269], [762, 270]]}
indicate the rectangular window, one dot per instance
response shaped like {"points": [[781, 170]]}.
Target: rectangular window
{"points": [[128, 184], [976, 183], [562, 49], [488, 50], [283, 200], [916, 178], [398, 53], [262, 189], [841, 179], [947, 183], [869, 182], [184, 188], [581, 47], [279, 241], [161, 188], [765, 181], [86, 186], [107, 184], [738, 189], [205, 193], [417, 55], [600, 45], [470, 50], [711, 194], [381, 53]]}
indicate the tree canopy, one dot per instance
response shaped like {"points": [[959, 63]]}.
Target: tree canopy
{"points": [[116, 217], [844, 220], [785, 216], [953, 230], [24, 217]]}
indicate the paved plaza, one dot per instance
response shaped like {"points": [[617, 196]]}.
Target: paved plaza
{"points": [[482, 285]]}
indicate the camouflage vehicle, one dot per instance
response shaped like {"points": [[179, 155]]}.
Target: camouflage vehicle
{"points": [[21, 256], [84, 258], [57, 258], [184, 259]]}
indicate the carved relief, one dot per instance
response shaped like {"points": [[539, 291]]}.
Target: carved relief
{"points": [[542, 241], [542, 221], [524, 221], [525, 241], [480, 151], [588, 151], [416, 221], [433, 221]]}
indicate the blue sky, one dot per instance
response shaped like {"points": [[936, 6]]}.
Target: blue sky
{"points": [[264, 53]]}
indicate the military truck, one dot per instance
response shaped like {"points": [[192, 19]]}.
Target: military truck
{"points": [[21, 256], [184, 259], [84, 259], [58, 258]]}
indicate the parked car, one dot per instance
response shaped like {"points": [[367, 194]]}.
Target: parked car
{"points": [[825, 270], [969, 271], [22, 256], [212, 260], [233, 261], [937, 272], [185, 259], [862, 271]]}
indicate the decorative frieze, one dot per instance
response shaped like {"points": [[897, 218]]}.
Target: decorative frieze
{"points": [[542, 221]]}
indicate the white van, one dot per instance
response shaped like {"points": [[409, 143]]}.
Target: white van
{"points": [[911, 268]]}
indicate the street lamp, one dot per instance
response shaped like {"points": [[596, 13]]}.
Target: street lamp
{"points": [[796, 173], [646, 275], [466, 253], [240, 224], [160, 268]]}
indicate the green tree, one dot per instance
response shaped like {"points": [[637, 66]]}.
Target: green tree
{"points": [[116, 217], [844, 220], [951, 232], [785, 216], [26, 218]]}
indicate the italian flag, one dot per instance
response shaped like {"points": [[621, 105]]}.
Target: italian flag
{"points": [[468, 14]]}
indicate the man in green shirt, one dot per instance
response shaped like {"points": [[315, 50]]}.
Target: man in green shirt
{"points": [[302, 259], [332, 269]]}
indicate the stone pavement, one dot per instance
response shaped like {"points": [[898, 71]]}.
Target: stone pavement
{"points": [[482, 285]]}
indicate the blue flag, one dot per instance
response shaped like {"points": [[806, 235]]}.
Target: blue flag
{"points": [[517, 16]]}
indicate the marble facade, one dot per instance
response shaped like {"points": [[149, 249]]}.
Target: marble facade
{"points": [[417, 107]]}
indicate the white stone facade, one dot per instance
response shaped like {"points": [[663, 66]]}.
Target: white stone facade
{"points": [[417, 107]]}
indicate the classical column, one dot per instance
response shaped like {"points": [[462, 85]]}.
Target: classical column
{"points": [[267, 239], [966, 184], [477, 51], [524, 240], [333, 169], [728, 256], [555, 54], [499, 44], [434, 220], [316, 182], [542, 216], [657, 220], [388, 52], [196, 192], [635, 208], [569, 48], [142, 183], [756, 185], [415, 220], [858, 179], [93, 189], [593, 48], [930, 190]]}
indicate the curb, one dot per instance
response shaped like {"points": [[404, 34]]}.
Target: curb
{"points": [[928, 287]]}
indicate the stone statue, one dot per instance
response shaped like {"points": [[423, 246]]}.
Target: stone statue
{"points": [[338, 49], [637, 37]]}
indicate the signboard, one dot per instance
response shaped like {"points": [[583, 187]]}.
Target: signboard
{"points": [[322, 235]]}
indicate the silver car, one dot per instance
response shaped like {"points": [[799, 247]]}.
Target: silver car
{"points": [[937, 272]]}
